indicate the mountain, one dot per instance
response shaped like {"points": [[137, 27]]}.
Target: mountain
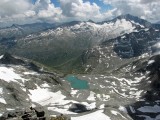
{"points": [[135, 19], [63, 46], [20, 30], [83, 70], [16, 31]]}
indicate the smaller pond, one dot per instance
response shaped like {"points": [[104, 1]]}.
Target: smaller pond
{"points": [[77, 83]]}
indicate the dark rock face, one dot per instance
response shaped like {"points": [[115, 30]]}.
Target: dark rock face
{"points": [[38, 113], [8, 42], [29, 115], [154, 69], [34, 67], [149, 108], [136, 43], [8, 59], [78, 108]]}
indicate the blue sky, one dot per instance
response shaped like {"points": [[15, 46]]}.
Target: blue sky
{"points": [[56, 3], [100, 3]]}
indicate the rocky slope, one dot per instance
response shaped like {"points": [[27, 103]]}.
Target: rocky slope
{"points": [[21, 30], [9, 35], [130, 92], [122, 50], [63, 46]]}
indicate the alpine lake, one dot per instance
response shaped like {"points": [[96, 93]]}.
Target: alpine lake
{"points": [[77, 83]]}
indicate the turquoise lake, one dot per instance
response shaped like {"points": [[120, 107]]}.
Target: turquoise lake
{"points": [[77, 83]]}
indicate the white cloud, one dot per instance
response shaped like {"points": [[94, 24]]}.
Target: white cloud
{"points": [[147, 9], [24, 11], [77, 9], [8, 7], [149, 1], [47, 11]]}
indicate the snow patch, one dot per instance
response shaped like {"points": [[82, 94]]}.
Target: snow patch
{"points": [[151, 62], [2, 100], [8, 74], [123, 109], [45, 85], [1, 56], [91, 96], [43, 96], [114, 112], [93, 116], [30, 73]]}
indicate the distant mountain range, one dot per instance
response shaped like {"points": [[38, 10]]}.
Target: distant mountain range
{"points": [[21, 30]]}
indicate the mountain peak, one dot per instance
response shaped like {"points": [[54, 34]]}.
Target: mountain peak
{"points": [[90, 21], [131, 18], [127, 16], [15, 25], [136, 19], [70, 23]]}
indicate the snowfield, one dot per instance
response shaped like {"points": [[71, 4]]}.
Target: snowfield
{"points": [[93, 116], [8, 74]]}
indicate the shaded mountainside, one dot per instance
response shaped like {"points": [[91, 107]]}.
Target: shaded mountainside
{"points": [[121, 50]]}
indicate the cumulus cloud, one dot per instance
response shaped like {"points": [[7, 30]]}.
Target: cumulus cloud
{"points": [[78, 9], [8, 7], [46, 10], [147, 9], [148, 1], [24, 11]]}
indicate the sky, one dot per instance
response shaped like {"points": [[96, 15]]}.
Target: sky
{"points": [[31, 11]]}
